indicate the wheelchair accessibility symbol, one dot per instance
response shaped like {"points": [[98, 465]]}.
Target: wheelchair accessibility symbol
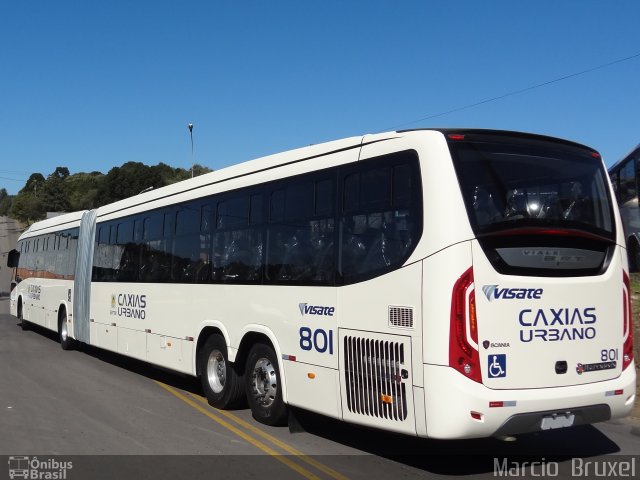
{"points": [[497, 365]]}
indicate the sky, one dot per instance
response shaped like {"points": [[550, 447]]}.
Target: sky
{"points": [[91, 85]]}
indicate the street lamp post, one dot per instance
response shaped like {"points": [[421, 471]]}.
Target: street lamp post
{"points": [[190, 126]]}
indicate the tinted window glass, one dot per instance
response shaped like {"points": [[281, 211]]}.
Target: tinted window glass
{"points": [[301, 241], [299, 201], [511, 184], [627, 189], [233, 212], [188, 219], [153, 226], [379, 229], [255, 216], [324, 198], [277, 206]]}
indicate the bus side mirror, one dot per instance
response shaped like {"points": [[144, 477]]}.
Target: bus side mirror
{"points": [[12, 259]]}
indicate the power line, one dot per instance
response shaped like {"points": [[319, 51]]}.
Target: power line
{"points": [[13, 179], [517, 92], [19, 172]]}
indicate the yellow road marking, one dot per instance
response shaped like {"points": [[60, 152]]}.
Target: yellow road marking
{"points": [[311, 461], [256, 443]]}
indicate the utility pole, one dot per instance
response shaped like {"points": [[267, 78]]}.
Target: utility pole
{"points": [[190, 126]]}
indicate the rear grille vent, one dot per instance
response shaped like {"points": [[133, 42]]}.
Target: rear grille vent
{"points": [[374, 378], [401, 317]]}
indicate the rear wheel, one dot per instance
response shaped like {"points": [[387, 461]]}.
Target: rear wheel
{"points": [[264, 389], [221, 383], [66, 342]]}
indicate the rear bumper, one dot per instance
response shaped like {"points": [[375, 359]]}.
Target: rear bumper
{"points": [[452, 398]]}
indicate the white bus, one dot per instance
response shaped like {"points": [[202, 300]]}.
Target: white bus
{"points": [[624, 178], [437, 283]]}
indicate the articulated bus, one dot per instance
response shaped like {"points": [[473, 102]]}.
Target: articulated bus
{"points": [[438, 283], [624, 178]]}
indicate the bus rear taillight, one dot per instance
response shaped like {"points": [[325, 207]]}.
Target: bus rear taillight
{"points": [[627, 328], [463, 335]]}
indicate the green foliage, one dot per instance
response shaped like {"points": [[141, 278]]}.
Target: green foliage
{"points": [[27, 207], [5, 202], [83, 190], [54, 193], [35, 182], [61, 191]]}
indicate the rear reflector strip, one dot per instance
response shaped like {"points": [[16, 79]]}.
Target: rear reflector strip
{"points": [[613, 393], [291, 358], [508, 403]]}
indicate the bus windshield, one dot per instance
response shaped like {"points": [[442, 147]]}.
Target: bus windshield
{"points": [[512, 183]]}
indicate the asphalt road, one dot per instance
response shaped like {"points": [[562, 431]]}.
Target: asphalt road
{"points": [[113, 417]]}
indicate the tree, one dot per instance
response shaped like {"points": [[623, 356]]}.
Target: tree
{"points": [[27, 207], [83, 190], [54, 192], [35, 182], [61, 191], [128, 180], [5, 202], [200, 170]]}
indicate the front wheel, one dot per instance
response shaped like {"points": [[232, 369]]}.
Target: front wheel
{"points": [[221, 383], [264, 389], [66, 342], [23, 323]]}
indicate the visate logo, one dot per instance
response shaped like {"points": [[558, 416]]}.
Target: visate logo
{"points": [[494, 292], [306, 309]]}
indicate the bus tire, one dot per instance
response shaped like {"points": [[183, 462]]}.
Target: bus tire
{"points": [[66, 342], [23, 323], [222, 385], [263, 385]]}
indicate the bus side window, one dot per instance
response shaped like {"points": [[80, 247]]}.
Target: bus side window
{"points": [[154, 260], [237, 245], [628, 188], [301, 230], [380, 215]]}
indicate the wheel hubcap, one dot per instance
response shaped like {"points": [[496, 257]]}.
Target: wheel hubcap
{"points": [[63, 331], [265, 382], [216, 371]]}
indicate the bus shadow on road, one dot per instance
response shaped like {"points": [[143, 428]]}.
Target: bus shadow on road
{"points": [[461, 457]]}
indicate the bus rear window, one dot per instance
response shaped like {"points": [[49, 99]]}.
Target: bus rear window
{"points": [[523, 183]]}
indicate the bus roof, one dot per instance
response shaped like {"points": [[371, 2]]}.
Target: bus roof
{"points": [[624, 158], [68, 219]]}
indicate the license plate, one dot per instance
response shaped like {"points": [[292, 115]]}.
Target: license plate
{"points": [[557, 421]]}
